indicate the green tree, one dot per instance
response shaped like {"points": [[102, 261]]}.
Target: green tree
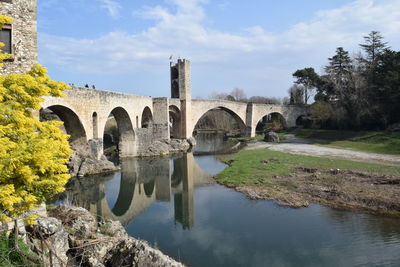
{"points": [[339, 71], [373, 47], [308, 78], [321, 113], [388, 86], [296, 93], [33, 154]]}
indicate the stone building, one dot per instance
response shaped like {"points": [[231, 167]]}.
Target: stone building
{"points": [[20, 38]]}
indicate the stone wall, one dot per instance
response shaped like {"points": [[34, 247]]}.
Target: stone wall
{"points": [[24, 35]]}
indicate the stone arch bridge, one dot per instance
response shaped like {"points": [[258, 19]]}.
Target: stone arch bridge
{"points": [[141, 119]]}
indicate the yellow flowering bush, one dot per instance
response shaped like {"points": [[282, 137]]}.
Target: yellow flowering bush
{"points": [[33, 154]]}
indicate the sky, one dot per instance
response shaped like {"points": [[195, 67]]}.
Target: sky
{"points": [[255, 45]]}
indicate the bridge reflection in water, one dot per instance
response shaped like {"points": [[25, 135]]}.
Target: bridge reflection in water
{"points": [[143, 181]]}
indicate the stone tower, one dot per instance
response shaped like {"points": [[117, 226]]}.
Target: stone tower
{"points": [[181, 87], [21, 36]]}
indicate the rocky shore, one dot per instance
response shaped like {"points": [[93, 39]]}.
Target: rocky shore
{"points": [[165, 147], [71, 236], [84, 162]]}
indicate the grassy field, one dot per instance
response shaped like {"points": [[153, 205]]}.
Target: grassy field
{"points": [[295, 180], [383, 142], [246, 167]]}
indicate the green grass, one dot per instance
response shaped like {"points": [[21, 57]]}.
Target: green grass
{"points": [[8, 255], [246, 167], [383, 142]]}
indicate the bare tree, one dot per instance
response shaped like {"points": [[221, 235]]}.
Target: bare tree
{"points": [[296, 93], [265, 100], [238, 94], [221, 96]]}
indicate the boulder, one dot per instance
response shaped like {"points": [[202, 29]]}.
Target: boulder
{"points": [[271, 137], [179, 145], [106, 243], [50, 240], [92, 166]]}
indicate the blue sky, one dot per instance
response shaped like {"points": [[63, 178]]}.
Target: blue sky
{"points": [[124, 45]]}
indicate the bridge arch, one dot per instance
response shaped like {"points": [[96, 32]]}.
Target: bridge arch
{"points": [[72, 123], [126, 134], [238, 119], [274, 120], [300, 120], [149, 188], [147, 118], [125, 195], [174, 121]]}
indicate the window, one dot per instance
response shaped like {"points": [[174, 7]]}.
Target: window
{"points": [[7, 1], [5, 38]]}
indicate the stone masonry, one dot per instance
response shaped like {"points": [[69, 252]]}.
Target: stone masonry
{"points": [[24, 35]]}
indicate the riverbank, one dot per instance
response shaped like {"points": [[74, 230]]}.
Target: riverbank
{"points": [[297, 180], [72, 236], [382, 142]]}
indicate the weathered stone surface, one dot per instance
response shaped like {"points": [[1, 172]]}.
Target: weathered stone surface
{"points": [[47, 226], [192, 142], [24, 35], [105, 243], [164, 147], [79, 221], [83, 164], [271, 137], [50, 240], [179, 145], [92, 166], [131, 252]]}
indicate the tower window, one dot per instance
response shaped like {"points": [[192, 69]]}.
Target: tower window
{"points": [[7, 1], [6, 38]]}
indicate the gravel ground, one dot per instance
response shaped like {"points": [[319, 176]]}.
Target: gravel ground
{"points": [[299, 146]]}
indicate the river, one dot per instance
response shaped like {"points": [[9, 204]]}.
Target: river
{"points": [[174, 205]]}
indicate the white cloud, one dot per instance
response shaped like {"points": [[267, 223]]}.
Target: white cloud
{"points": [[268, 57], [112, 7]]}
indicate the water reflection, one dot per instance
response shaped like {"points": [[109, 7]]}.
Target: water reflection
{"points": [[214, 143], [168, 202], [142, 181]]}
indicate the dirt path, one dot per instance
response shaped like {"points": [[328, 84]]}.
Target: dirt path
{"points": [[299, 146]]}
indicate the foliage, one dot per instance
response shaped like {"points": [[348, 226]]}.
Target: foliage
{"points": [[238, 94], [296, 93], [373, 47], [273, 122], [320, 113], [364, 92], [264, 100], [33, 154], [10, 256], [308, 78]]}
